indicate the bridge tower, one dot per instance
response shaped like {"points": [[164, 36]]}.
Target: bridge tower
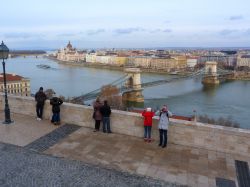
{"points": [[211, 77], [134, 93]]}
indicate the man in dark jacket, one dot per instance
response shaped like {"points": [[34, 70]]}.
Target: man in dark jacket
{"points": [[40, 98], [106, 111], [56, 102]]}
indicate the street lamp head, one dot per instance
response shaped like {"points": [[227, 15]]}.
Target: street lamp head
{"points": [[4, 51]]}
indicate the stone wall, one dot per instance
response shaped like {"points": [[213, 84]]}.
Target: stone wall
{"points": [[211, 137]]}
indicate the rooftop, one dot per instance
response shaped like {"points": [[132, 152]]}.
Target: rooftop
{"points": [[11, 77]]}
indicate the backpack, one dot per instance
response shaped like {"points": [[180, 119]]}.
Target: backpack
{"points": [[166, 114]]}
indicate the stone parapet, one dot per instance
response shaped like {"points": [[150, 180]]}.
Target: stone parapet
{"points": [[206, 136]]}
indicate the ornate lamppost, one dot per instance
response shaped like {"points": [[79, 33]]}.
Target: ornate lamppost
{"points": [[4, 53]]}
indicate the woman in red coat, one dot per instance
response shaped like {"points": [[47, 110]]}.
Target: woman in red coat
{"points": [[148, 115]]}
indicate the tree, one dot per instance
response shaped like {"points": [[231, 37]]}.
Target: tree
{"points": [[49, 93], [228, 122], [112, 95]]}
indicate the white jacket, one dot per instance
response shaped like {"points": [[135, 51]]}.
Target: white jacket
{"points": [[163, 120]]}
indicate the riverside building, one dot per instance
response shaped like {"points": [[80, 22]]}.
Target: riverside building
{"points": [[243, 61], [70, 54], [15, 84]]}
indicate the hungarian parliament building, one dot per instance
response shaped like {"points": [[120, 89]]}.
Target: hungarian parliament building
{"points": [[70, 54]]}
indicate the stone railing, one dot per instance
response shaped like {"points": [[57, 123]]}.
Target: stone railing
{"points": [[210, 137]]}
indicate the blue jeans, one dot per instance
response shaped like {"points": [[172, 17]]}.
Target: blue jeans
{"points": [[163, 137], [147, 132], [39, 110], [55, 117], [106, 124]]}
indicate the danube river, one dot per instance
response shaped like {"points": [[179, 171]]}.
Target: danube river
{"points": [[231, 99]]}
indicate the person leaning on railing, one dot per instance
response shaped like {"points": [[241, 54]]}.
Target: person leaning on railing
{"points": [[163, 124]]}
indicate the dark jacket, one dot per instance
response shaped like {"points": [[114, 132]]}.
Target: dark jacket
{"points": [[40, 97], [97, 114], [56, 102], [105, 110]]}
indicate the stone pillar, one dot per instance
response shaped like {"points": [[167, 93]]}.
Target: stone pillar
{"points": [[211, 68], [134, 93], [210, 77]]}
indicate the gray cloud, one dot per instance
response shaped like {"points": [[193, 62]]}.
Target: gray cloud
{"points": [[235, 32], [238, 17], [167, 21], [247, 32], [67, 35], [21, 35], [227, 31], [94, 32], [167, 30], [128, 30], [160, 30], [155, 30]]}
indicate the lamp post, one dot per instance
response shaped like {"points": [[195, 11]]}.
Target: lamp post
{"points": [[4, 53]]}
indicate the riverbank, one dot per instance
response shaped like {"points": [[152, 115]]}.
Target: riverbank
{"points": [[238, 75], [113, 67], [245, 76]]}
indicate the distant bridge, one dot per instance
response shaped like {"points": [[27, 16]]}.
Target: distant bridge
{"points": [[131, 82]]}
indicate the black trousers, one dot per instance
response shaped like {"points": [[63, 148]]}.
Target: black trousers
{"points": [[163, 137], [97, 124], [39, 111]]}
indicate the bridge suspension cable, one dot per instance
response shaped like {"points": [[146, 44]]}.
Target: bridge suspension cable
{"points": [[159, 82], [93, 94], [96, 92]]}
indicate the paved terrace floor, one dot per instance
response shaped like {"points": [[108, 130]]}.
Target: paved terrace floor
{"points": [[63, 156]]}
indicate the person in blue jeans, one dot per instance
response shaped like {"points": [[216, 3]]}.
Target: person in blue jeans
{"points": [[56, 102], [148, 115], [163, 125], [106, 112]]}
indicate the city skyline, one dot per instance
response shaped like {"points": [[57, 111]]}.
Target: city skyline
{"points": [[128, 24]]}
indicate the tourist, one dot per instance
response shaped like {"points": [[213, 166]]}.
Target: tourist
{"points": [[97, 116], [106, 111], [163, 125], [40, 98], [148, 115], [56, 102]]}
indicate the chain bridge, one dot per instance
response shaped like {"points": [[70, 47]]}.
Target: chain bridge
{"points": [[131, 87]]}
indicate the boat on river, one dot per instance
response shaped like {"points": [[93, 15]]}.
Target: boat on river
{"points": [[174, 73], [43, 66]]}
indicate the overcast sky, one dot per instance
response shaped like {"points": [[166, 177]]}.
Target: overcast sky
{"points": [[125, 23]]}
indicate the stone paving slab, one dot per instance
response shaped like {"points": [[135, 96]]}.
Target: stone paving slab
{"points": [[224, 183], [24, 130], [179, 164], [52, 138], [24, 168]]}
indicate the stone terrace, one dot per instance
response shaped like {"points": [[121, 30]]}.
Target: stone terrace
{"points": [[80, 147]]}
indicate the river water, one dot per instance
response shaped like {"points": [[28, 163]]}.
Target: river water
{"points": [[231, 99]]}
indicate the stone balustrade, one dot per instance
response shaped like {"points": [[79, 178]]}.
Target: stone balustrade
{"points": [[206, 136]]}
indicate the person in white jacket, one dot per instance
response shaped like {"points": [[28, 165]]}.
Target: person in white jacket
{"points": [[163, 125]]}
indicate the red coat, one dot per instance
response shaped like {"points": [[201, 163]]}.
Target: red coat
{"points": [[148, 118]]}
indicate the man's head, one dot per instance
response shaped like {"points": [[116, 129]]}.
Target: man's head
{"points": [[41, 89], [164, 108]]}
